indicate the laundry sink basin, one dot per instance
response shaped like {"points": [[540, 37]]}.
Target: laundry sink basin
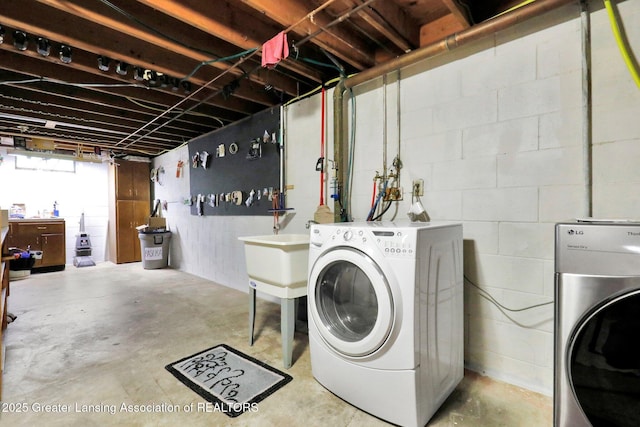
{"points": [[279, 260]]}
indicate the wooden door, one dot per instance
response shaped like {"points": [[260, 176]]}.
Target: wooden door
{"points": [[132, 181], [53, 250], [141, 181], [129, 215]]}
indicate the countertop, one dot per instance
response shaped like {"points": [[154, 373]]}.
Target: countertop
{"points": [[36, 220]]}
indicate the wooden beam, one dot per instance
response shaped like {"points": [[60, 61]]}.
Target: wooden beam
{"points": [[439, 29], [459, 14], [336, 41], [37, 67], [223, 22], [391, 22], [102, 105], [190, 38], [56, 108], [58, 26]]}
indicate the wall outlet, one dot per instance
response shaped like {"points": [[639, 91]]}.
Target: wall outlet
{"points": [[418, 187]]}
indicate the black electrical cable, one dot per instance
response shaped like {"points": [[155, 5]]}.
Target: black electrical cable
{"points": [[384, 211], [486, 295]]}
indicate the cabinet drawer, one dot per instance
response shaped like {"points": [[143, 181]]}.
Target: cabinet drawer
{"points": [[41, 228]]}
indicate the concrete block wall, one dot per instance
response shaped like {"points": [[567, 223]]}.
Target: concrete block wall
{"points": [[82, 191], [495, 131], [616, 128]]}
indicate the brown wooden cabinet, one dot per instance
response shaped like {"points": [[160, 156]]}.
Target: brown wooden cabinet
{"points": [[129, 207], [46, 235], [132, 181]]}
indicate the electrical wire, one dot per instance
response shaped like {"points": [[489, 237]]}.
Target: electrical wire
{"points": [[191, 95], [315, 90], [193, 113], [226, 58], [632, 65], [16, 82], [48, 80], [486, 295], [511, 9], [153, 30]]}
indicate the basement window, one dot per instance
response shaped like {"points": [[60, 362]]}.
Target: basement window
{"points": [[45, 164]]}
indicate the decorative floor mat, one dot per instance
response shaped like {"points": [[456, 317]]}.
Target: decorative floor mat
{"points": [[228, 378]]}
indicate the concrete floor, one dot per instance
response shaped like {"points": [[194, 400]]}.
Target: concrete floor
{"points": [[102, 335]]}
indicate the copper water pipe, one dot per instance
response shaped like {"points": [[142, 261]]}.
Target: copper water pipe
{"points": [[451, 42]]}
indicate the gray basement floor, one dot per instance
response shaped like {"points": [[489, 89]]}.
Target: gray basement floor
{"points": [[102, 335]]}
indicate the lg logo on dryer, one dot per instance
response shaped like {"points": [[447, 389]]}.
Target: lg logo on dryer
{"points": [[573, 232]]}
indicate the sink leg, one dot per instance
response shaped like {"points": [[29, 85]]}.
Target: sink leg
{"points": [[252, 313], [287, 327]]}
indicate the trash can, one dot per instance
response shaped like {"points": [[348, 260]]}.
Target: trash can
{"points": [[21, 264], [154, 247]]}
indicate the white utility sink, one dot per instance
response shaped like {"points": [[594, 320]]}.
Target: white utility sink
{"points": [[277, 265], [279, 260]]}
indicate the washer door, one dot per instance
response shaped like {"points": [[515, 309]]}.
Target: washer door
{"points": [[604, 363], [350, 302]]}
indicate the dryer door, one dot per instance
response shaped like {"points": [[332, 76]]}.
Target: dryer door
{"points": [[604, 362], [350, 302]]}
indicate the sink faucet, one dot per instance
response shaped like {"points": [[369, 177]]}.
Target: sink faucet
{"points": [[308, 224]]}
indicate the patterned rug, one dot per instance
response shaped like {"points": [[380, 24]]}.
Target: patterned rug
{"points": [[230, 380]]}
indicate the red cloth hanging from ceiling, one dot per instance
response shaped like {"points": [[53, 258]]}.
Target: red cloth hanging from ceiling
{"points": [[275, 50]]}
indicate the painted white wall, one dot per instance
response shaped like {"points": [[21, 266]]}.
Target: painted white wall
{"points": [[495, 131], [82, 191]]}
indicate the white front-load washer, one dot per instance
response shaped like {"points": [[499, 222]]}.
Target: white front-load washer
{"points": [[385, 305]]}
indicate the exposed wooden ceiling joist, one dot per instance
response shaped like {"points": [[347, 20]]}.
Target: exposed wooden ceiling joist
{"points": [[198, 41]]}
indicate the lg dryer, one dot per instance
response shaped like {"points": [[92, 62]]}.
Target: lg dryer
{"points": [[597, 333], [386, 315]]}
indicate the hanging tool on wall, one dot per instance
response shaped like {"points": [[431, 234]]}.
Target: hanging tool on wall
{"points": [[274, 196], [200, 204], [156, 173], [255, 150], [249, 200], [204, 159], [179, 167], [195, 160]]}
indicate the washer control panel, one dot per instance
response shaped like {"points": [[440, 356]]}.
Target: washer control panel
{"points": [[392, 243]]}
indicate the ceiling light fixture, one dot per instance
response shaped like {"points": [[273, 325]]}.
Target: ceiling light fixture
{"points": [[164, 80], [43, 46], [103, 63], [138, 73], [186, 85], [20, 40], [153, 78], [65, 54], [175, 84], [121, 68]]}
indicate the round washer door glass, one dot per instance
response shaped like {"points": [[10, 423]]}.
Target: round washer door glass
{"points": [[605, 363], [351, 302]]}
